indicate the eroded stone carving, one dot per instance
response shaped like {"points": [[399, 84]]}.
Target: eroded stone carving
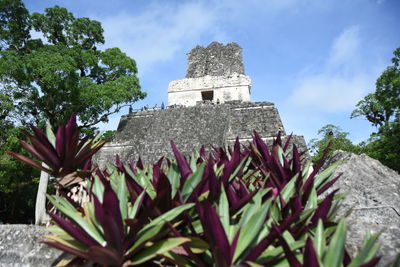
{"points": [[215, 60]]}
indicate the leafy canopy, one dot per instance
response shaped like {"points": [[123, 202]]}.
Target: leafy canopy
{"points": [[336, 137], [382, 109], [51, 66], [383, 106], [385, 145], [18, 181]]}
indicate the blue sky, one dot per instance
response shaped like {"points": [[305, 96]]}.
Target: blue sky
{"points": [[315, 59]]}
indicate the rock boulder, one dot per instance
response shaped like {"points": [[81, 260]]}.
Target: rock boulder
{"points": [[20, 245], [373, 192]]}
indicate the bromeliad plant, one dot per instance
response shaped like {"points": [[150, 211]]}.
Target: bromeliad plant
{"points": [[246, 206], [282, 222], [113, 229], [65, 156]]}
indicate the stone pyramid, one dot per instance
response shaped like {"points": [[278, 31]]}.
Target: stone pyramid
{"points": [[210, 107]]}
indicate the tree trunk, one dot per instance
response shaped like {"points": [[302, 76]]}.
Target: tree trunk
{"points": [[40, 209]]}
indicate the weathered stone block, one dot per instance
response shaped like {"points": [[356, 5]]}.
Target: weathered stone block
{"points": [[20, 245], [215, 60], [373, 192]]}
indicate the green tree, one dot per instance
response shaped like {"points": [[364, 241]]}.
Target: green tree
{"points": [[108, 135], [47, 78], [385, 145], [334, 135], [382, 109], [64, 71], [18, 181], [383, 106]]}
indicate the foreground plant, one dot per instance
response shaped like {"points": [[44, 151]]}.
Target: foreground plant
{"points": [[250, 207], [256, 205], [283, 222], [64, 155], [113, 229]]}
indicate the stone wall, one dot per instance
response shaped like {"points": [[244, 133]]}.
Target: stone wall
{"points": [[188, 91], [215, 60], [148, 133]]}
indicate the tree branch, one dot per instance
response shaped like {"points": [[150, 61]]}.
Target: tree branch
{"points": [[117, 109]]}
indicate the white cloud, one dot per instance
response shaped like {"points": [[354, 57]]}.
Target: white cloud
{"points": [[344, 79], [331, 93], [156, 34], [346, 48], [242, 9], [163, 28]]}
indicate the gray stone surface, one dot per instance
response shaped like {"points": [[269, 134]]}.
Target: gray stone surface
{"points": [[373, 192], [215, 60], [148, 133], [20, 246]]}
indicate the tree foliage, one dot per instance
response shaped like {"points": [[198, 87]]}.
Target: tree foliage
{"points": [[51, 66], [108, 135], [385, 145], [336, 137], [63, 71], [382, 109], [18, 181], [383, 106]]}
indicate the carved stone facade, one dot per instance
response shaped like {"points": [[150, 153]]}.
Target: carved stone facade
{"points": [[215, 73]]}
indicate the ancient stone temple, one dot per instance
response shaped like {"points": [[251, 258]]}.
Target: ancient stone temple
{"points": [[215, 74], [210, 107]]}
